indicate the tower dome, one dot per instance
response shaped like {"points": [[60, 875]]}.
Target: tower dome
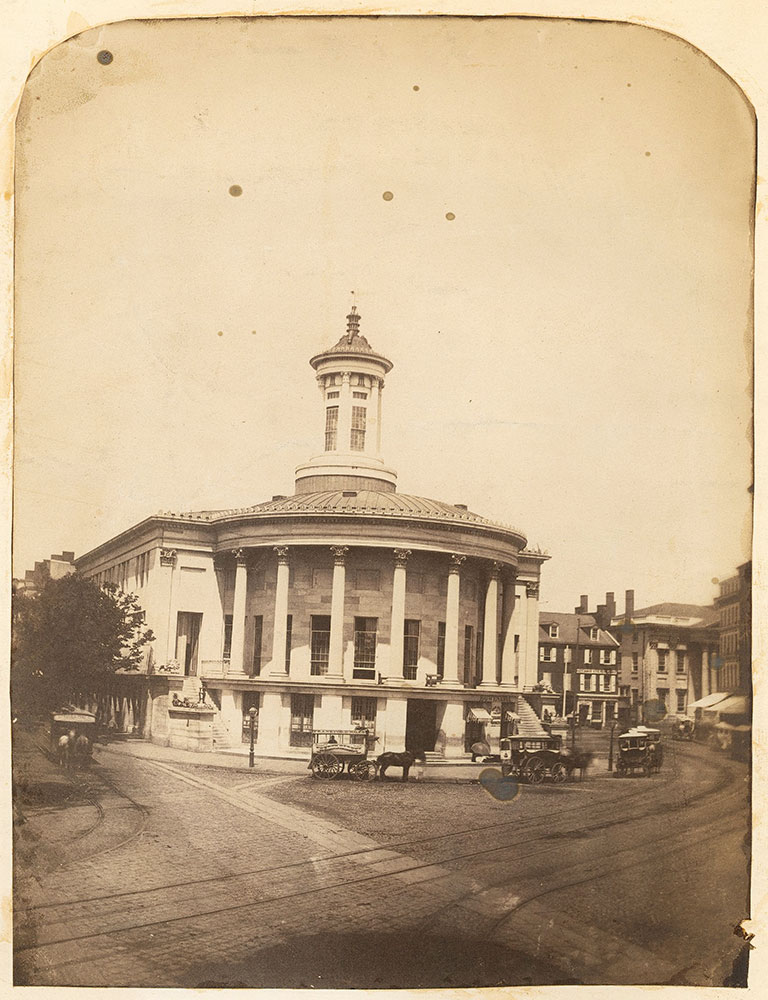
{"points": [[350, 375]]}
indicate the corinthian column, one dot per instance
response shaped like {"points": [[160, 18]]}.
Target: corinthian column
{"points": [[490, 628], [237, 646], [336, 641], [397, 626], [280, 634], [451, 659]]}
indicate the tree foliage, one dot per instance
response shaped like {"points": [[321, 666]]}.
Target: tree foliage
{"points": [[69, 637]]}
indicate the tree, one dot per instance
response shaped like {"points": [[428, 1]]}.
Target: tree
{"points": [[69, 637]]}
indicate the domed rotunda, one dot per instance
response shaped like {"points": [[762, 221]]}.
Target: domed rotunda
{"points": [[346, 605]]}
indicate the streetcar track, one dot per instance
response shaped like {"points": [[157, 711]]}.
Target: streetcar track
{"points": [[347, 882], [397, 845]]}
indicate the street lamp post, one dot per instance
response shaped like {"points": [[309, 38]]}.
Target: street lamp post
{"points": [[610, 747], [252, 713]]}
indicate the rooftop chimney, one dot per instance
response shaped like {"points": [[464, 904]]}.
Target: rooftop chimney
{"points": [[629, 603], [610, 604], [583, 608]]}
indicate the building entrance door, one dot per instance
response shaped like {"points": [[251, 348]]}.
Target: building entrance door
{"points": [[420, 725], [187, 640]]}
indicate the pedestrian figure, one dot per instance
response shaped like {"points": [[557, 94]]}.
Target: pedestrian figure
{"points": [[71, 742]]}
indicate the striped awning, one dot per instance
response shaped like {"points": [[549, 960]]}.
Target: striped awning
{"points": [[478, 714]]}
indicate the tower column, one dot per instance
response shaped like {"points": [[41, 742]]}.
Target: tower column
{"points": [[336, 641], [490, 628], [280, 632], [397, 626], [451, 662], [237, 647], [344, 431]]}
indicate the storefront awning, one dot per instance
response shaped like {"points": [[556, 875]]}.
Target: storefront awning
{"points": [[735, 705], [477, 714], [710, 700], [513, 717]]}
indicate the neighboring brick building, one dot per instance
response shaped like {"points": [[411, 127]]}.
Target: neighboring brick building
{"points": [[667, 655], [47, 569], [734, 608], [578, 656]]}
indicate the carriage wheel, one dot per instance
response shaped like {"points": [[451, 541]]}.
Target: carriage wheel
{"points": [[363, 770], [559, 773], [327, 766], [536, 772], [506, 770]]}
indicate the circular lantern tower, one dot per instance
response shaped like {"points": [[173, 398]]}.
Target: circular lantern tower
{"points": [[351, 378]]}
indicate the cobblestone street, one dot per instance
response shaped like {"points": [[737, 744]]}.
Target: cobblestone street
{"points": [[160, 873]]}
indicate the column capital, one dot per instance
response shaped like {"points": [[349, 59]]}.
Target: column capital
{"points": [[401, 556], [239, 555], [456, 561], [495, 569], [531, 590], [167, 557], [345, 377], [339, 554], [281, 551]]}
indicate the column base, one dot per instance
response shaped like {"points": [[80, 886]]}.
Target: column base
{"points": [[489, 684]]}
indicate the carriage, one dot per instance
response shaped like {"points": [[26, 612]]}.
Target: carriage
{"points": [[335, 751], [639, 750], [79, 723], [534, 758]]}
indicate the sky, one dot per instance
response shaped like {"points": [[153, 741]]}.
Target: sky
{"points": [[562, 278]]}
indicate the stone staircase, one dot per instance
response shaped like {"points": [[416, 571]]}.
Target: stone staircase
{"points": [[222, 738], [529, 724], [434, 755]]}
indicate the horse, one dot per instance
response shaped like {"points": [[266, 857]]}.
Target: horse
{"points": [[405, 760], [578, 760], [82, 750], [65, 747]]}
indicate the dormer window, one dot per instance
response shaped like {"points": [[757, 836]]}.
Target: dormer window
{"points": [[593, 633], [554, 631]]}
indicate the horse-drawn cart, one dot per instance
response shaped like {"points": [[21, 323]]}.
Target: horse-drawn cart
{"points": [[335, 751], [532, 759]]}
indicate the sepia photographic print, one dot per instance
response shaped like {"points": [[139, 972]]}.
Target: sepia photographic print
{"points": [[383, 495]]}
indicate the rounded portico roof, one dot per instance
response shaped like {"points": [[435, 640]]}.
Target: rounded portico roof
{"points": [[362, 503]]}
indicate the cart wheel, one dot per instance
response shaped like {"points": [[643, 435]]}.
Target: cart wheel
{"points": [[559, 773], [506, 770], [536, 772], [363, 770], [327, 766]]}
